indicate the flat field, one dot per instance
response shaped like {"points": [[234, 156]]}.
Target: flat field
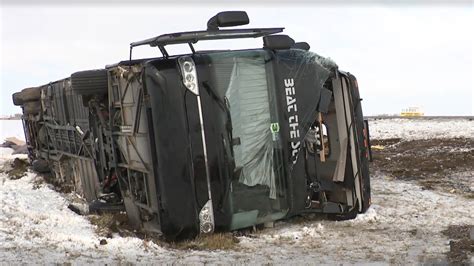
{"points": [[422, 212]]}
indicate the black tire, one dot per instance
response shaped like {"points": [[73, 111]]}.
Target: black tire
{"points": [[17, 99], [41, 166], [31, 108], [31, 94], [90, 82]]}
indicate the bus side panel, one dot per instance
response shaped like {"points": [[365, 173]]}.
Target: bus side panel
{"points": [[362, 136], [179, 217]]}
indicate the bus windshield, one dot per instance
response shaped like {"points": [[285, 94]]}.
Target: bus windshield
{"points": [[258, 189]]}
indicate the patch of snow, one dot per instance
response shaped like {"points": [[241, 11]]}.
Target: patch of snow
{"points": [[37, 226], [461, 150], [306, 231], [370, 216], [5, 152], [410, 129], [11, 128]]}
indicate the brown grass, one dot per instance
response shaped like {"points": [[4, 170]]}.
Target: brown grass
{"points": [[108, 223], [216, 241], [16, 170]]}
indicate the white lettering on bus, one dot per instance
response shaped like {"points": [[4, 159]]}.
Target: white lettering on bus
{"points": [[293, 124]]}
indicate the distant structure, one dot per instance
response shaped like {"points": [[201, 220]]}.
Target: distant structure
{"points": [[412, 111], [11, 117]]}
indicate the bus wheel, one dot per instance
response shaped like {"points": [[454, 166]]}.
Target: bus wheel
{"points": [[17, 99], [31, 108], [90, 82]]}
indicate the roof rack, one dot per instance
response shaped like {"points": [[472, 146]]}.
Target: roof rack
{"points": [[195, 36], [222, 19]]}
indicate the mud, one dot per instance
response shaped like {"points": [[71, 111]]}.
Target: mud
{"points": [[461, 243], [436, 164]]}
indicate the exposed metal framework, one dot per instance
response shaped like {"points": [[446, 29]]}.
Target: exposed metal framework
{"points": [[191, 37]]}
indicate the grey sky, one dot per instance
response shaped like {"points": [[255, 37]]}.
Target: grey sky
{"points": [[402, 55]]}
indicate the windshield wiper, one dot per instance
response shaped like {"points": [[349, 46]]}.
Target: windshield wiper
{"points": [[225, 106]]}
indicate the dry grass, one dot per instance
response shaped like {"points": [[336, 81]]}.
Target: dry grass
{"points": [[108, 223], [16, 170], [216, 241], [59, 186]]}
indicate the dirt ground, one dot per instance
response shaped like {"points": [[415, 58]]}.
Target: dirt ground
{"points": [[436, 164], [461, 243]]}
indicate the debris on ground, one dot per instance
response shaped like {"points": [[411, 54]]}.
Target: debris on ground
{"points": [[377, 147], [17, 145], [12, 142], [78, 208]]}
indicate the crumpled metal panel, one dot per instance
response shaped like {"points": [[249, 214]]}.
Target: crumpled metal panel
{"points": [[309, 71]]}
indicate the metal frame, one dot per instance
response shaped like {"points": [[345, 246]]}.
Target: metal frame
{"points": [[191, 37]]}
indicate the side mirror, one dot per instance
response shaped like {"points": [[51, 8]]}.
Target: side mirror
{"points": [[228, 19], [301, 45], [278, 42]]}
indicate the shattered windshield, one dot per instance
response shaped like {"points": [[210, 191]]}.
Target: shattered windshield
{"points": [[250, 112], [245, 78]]}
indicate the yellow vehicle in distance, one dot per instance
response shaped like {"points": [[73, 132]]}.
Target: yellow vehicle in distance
{"points": [[412, 111]]}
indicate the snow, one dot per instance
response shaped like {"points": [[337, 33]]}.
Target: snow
{"points": [[416, 128], [11, 128], [5, 152], [403, 226], [37, 226]]}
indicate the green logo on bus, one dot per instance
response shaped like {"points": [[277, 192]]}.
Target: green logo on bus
{"points": [[275, 127]]}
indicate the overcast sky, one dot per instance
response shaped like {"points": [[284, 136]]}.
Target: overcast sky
{"points": [[403, 55]]}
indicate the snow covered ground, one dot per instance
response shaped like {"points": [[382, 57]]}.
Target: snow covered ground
{"points": [[11, 128], [424, 128], [403, 226]]}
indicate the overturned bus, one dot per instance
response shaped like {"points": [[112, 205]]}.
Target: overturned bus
{"points": [[210, 140]]}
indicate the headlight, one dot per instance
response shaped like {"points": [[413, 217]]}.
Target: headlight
{"points": [[188, 73], [206, 218]]}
